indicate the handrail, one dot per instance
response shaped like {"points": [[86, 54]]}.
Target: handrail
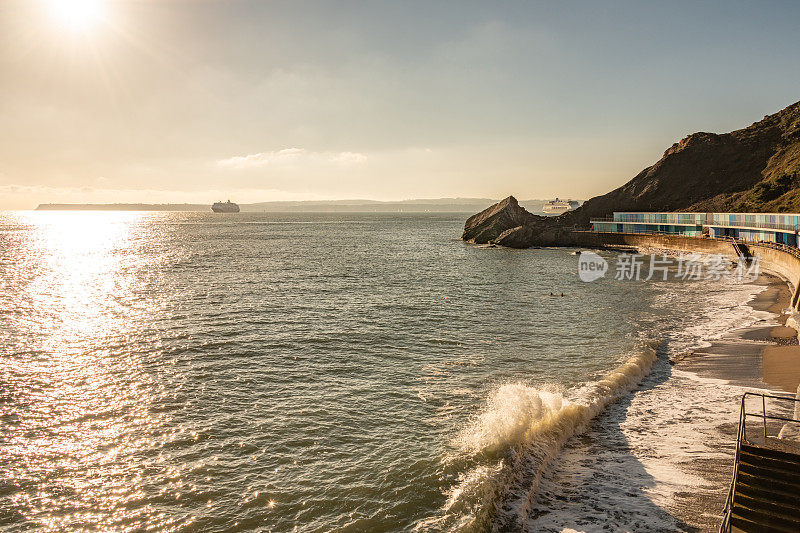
{"points": [[725, 527], [772, 417], [687, 221], [678, 233], [664, 222], [778, 246], [741, 436], [759, 225], [764, 416]]}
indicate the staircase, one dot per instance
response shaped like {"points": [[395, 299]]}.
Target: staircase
{"points": [[766, 496], [765, 491], [742, 251]]}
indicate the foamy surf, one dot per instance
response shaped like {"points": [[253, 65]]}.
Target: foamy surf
{"points": [[504, 451]]}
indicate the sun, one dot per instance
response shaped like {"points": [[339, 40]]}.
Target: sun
{"points": [[78, 15]]}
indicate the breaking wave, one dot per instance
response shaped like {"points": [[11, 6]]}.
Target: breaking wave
{"points": [[498, 459]]}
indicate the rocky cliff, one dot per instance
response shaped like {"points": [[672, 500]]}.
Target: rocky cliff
{"points": [[755, 169], [508, 224]]}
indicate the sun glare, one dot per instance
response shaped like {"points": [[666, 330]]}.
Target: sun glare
{"points": [[78, 14]]}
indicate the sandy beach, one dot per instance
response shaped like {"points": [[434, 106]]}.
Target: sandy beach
{"points": [[765, 357], [761, 357]]}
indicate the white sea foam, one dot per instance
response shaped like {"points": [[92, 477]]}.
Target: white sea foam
{"points": [[512, 413], [642, 457], [626, 473], [513, 439]]}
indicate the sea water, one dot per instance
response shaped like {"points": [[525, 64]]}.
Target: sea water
{"points": [[321, 372]]}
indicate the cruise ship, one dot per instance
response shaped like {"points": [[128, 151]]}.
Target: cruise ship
{"points": [[225, 207], [556, 207]]}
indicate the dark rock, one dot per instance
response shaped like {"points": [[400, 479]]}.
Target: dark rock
{"points": [[488, 225], [519, 237]]}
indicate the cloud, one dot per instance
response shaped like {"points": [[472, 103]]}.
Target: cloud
{"points": [[291, 155], [348, 158]]}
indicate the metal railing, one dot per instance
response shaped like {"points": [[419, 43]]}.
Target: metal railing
{"points": [[678, 233], [757, 225], [776, 246], [665, 222], [741, 437], [719, 224]]}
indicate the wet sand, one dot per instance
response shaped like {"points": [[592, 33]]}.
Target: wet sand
{"points": [[761, 357], [764, 357], [781, 367]]}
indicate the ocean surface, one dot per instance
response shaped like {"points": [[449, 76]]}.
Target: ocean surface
{"points": [[336, 372]]}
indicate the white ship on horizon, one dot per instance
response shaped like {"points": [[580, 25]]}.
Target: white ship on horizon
{"points": [[225, 207], [558, 206]]}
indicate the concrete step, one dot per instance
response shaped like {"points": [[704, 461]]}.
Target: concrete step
{"points": [[784, 457], [772, 507], [766, 491], [764, 519], [739, 524], [768, 484], [776, 465], [782, 475]]}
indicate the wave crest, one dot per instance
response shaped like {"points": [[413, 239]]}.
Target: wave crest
{"points": [[505, 450], [512, 411]]}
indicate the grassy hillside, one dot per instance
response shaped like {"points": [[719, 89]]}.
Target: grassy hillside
{"points": [[754, 169]]}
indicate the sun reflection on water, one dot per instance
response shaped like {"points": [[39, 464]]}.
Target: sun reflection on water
{"points": [[79, 422], [81, 258]]}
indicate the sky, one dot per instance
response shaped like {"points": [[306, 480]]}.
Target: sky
{"points": [[201, 100]]}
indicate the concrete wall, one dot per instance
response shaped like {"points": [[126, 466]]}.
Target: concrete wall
{"points": [[676, 243], [784, 264]]}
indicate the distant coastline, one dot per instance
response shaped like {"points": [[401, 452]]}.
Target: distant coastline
{"points": [[122, 207], [438, 205]]}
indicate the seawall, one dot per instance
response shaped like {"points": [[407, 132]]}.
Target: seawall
{"points": [[775, 259]]}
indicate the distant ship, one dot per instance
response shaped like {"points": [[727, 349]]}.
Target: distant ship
{"points": [[556, 207], [225, 207]]}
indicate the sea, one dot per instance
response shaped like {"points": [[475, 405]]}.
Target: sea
{"points": [[341, 372]]}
